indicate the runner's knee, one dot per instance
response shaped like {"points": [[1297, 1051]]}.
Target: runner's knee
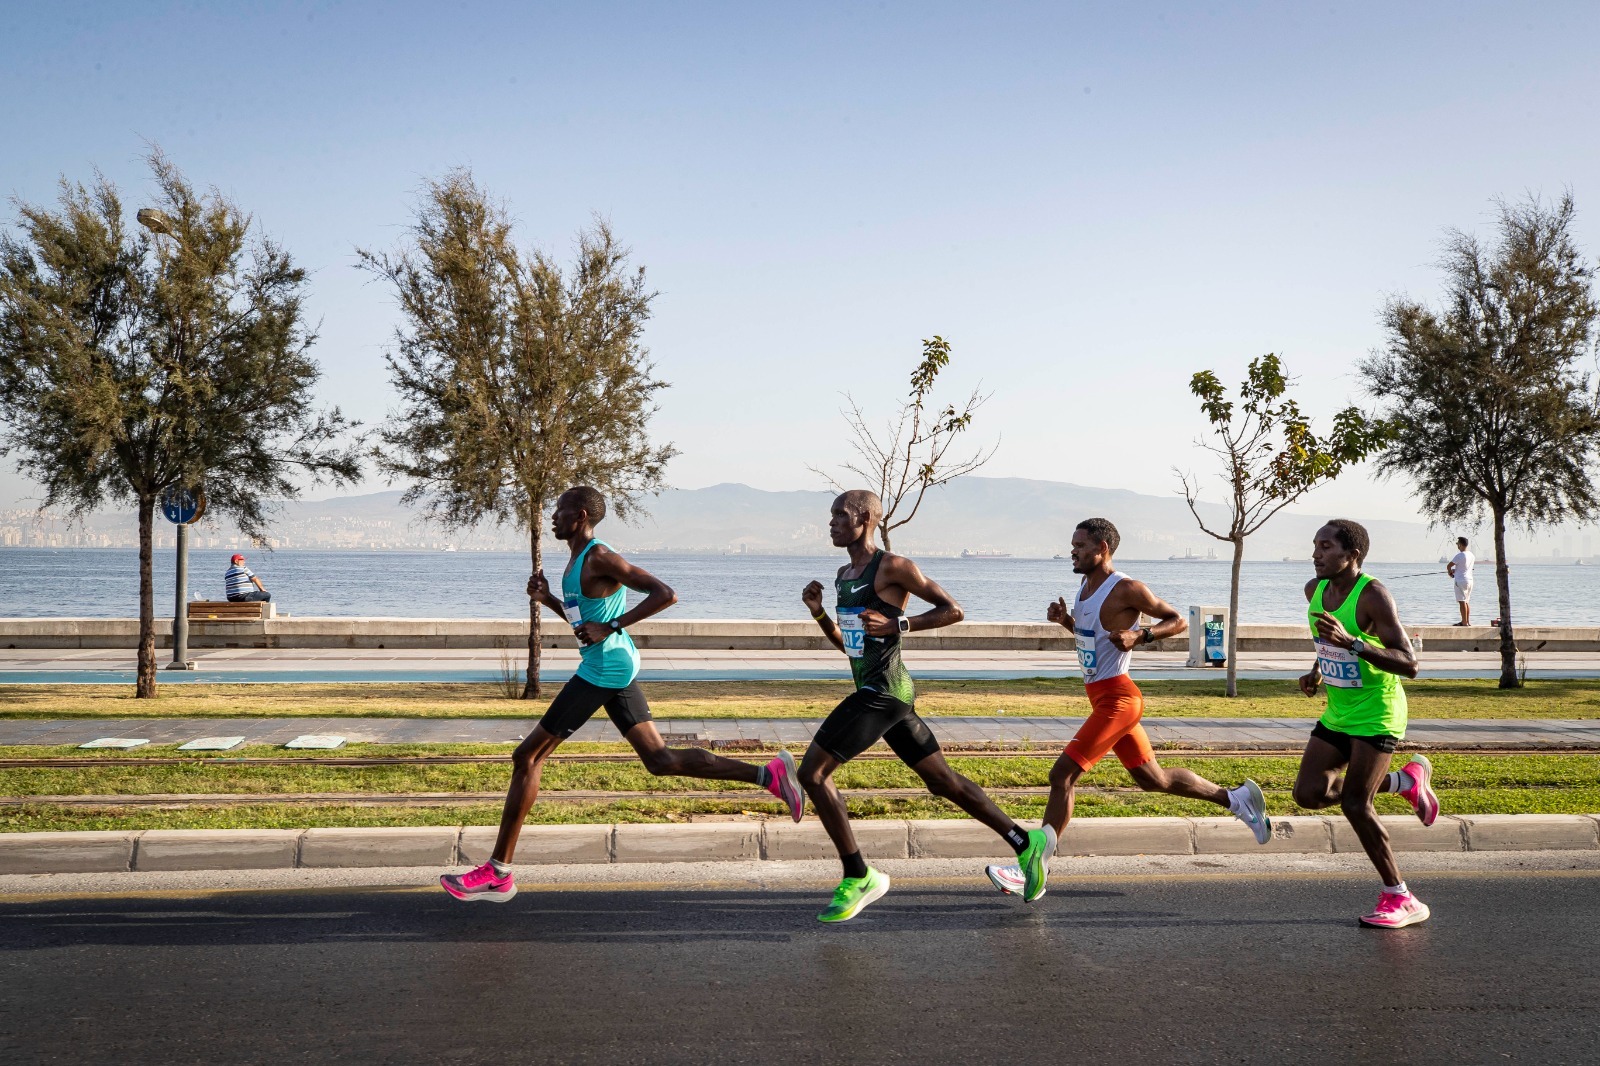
{"points": [[1064, 773], [1313, 796], [661, 762], [1356, 807], [944, 783]]}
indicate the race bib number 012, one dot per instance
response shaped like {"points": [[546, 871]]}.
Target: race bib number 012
{"points": [[853, 631], [1086, 655], [1340, 667]]}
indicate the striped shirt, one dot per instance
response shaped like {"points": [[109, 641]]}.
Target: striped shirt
{"points": [[237, 581]]}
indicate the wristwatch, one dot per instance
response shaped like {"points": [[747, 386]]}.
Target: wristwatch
{"points": [[904, 623], [1145, 636], [1357, 646], [616, 625]]}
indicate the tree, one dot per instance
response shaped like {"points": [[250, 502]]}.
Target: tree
{"points": [[1271, 458], [517, 380], [910, 457], [1497, 414], [132, 363]]}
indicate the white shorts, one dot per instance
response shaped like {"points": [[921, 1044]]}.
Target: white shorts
{"points": [[1464, 593]]}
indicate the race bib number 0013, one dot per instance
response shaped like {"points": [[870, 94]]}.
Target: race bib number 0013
{"points": [[1340, 667], [853, 631]]}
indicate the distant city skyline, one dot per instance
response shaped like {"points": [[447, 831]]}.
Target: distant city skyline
{"points": [[1090, 202]]}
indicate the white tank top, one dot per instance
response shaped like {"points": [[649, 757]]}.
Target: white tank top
{"points": [[1099, 658]]}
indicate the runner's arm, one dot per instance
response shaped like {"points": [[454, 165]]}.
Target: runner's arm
{"points": [[658, 595], [898, 570], [1058, 613], [1310, 681], [1136, 595], [811, 596], [539, 589], [1383, 622]]}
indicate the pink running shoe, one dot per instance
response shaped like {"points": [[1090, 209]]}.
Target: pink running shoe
{"points": [[1420, 795], [1396, 911], [481, 883], [783, 781]]}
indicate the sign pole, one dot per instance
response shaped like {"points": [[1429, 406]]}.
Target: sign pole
{"points": [[182, 507], [180, 610]]}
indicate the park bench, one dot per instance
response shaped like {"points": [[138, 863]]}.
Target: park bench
{"points": [[228, 611]]}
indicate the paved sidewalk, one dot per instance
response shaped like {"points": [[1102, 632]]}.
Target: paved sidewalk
{"points": [[1227, 733], [113, 665]]}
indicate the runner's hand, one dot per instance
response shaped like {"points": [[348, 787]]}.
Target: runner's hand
{"points": [[591, 632], [1126, 639], [1310, 682], [1057, 612], [878, 625], [1331, 630], [538, 586], [811, 596]]}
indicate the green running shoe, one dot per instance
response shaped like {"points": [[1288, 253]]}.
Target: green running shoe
{"points": [[1034, 862], [853, 894]]}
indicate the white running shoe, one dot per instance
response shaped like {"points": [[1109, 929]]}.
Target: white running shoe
{"points": [[1007, 879], [1250, 807]]}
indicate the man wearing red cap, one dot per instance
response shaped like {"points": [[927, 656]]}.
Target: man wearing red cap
{"points": [[238, 580]]}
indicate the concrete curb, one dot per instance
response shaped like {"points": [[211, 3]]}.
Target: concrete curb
{"points": [[448, 846]]}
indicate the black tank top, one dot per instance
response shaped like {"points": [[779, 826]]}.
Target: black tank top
{"points": [[874, 661]]}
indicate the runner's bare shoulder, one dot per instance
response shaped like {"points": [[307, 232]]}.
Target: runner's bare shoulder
{"points": [[1311, 587]]}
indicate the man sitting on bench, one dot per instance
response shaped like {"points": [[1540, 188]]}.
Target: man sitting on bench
{"points": [[238, 580]]}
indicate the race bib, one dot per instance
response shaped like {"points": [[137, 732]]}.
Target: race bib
{"points": [[1086, 655], [573, 612], [1340, 667], [853, 631]]}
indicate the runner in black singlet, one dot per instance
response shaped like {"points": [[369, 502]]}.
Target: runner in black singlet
{"points": [[872, 594]]}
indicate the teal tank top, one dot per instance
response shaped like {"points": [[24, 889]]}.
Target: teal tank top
{"points": [[614, 662]]}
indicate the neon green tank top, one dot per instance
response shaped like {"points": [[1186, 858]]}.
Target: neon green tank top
{"points": [[1362, 700]]}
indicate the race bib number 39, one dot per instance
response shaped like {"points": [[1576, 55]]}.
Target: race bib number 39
{"points": [[1340, 667], [853, 631], [1086, 655]]}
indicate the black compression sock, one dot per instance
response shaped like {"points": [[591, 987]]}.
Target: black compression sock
{"points": [[1017, 837], [855, 865]]}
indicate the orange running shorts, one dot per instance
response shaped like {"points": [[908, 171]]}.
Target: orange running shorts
{"points": [[1113, 725]]}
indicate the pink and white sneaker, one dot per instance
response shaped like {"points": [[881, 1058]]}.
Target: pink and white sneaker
{"points": [[1396, 910], [783, 781], [1420, 795], [1007, 879], [480, 883]]}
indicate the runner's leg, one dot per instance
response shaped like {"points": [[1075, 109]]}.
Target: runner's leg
{"points": [[1176, 781], [526, 763], [1063, 784], [816, 777], [1320, 781], [686, 762], [1368, 766]]}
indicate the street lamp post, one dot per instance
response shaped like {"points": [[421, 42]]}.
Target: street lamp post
{"points": [[178, 507]]}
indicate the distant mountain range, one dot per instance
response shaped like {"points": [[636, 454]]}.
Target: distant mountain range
{"points": [[1013, 515]]}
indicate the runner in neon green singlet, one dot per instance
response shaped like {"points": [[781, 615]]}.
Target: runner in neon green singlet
{"points": [[1362, 652], [1363, 701]]}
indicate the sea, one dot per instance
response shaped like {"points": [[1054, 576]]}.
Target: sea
{"points": [[103, 583]]}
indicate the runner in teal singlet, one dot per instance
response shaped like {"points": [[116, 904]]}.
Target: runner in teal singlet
{"points": [[1362, 652], [594, 603], [872, 592]]}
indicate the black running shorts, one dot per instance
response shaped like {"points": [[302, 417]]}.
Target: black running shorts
{"points": [[577, 701], [1382, 741], [866, 717]]}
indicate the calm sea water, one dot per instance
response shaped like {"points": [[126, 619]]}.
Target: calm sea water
{"points": [[103, 583]]}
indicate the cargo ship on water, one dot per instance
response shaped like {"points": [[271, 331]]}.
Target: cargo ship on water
{"points": [[968, 553]]}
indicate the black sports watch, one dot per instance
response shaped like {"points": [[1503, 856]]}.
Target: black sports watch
{"points": [[616, 625], [1146, 636]]}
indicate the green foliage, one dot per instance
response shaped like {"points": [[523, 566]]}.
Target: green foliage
{"points": [[911, 457], [132, 363], [517, 379], [1493, 408], [1271, 457]]}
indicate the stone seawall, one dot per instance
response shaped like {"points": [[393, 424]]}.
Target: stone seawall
{"points": [[802, 635]]}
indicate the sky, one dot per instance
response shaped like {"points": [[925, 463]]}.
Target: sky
{"points": [[1090, 201]]}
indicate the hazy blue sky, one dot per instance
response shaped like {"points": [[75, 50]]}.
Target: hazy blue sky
{"points": [[1090, 201]]}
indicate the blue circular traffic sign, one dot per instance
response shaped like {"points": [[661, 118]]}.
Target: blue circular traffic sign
{"points": [[183, 506]]}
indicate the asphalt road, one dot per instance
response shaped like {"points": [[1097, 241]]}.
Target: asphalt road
{"points": [[1148, 969]]}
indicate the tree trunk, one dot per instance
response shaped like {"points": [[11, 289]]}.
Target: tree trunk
{"points": [[145, 685], [530, 688], [1233, 618], [1502, 582]]}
